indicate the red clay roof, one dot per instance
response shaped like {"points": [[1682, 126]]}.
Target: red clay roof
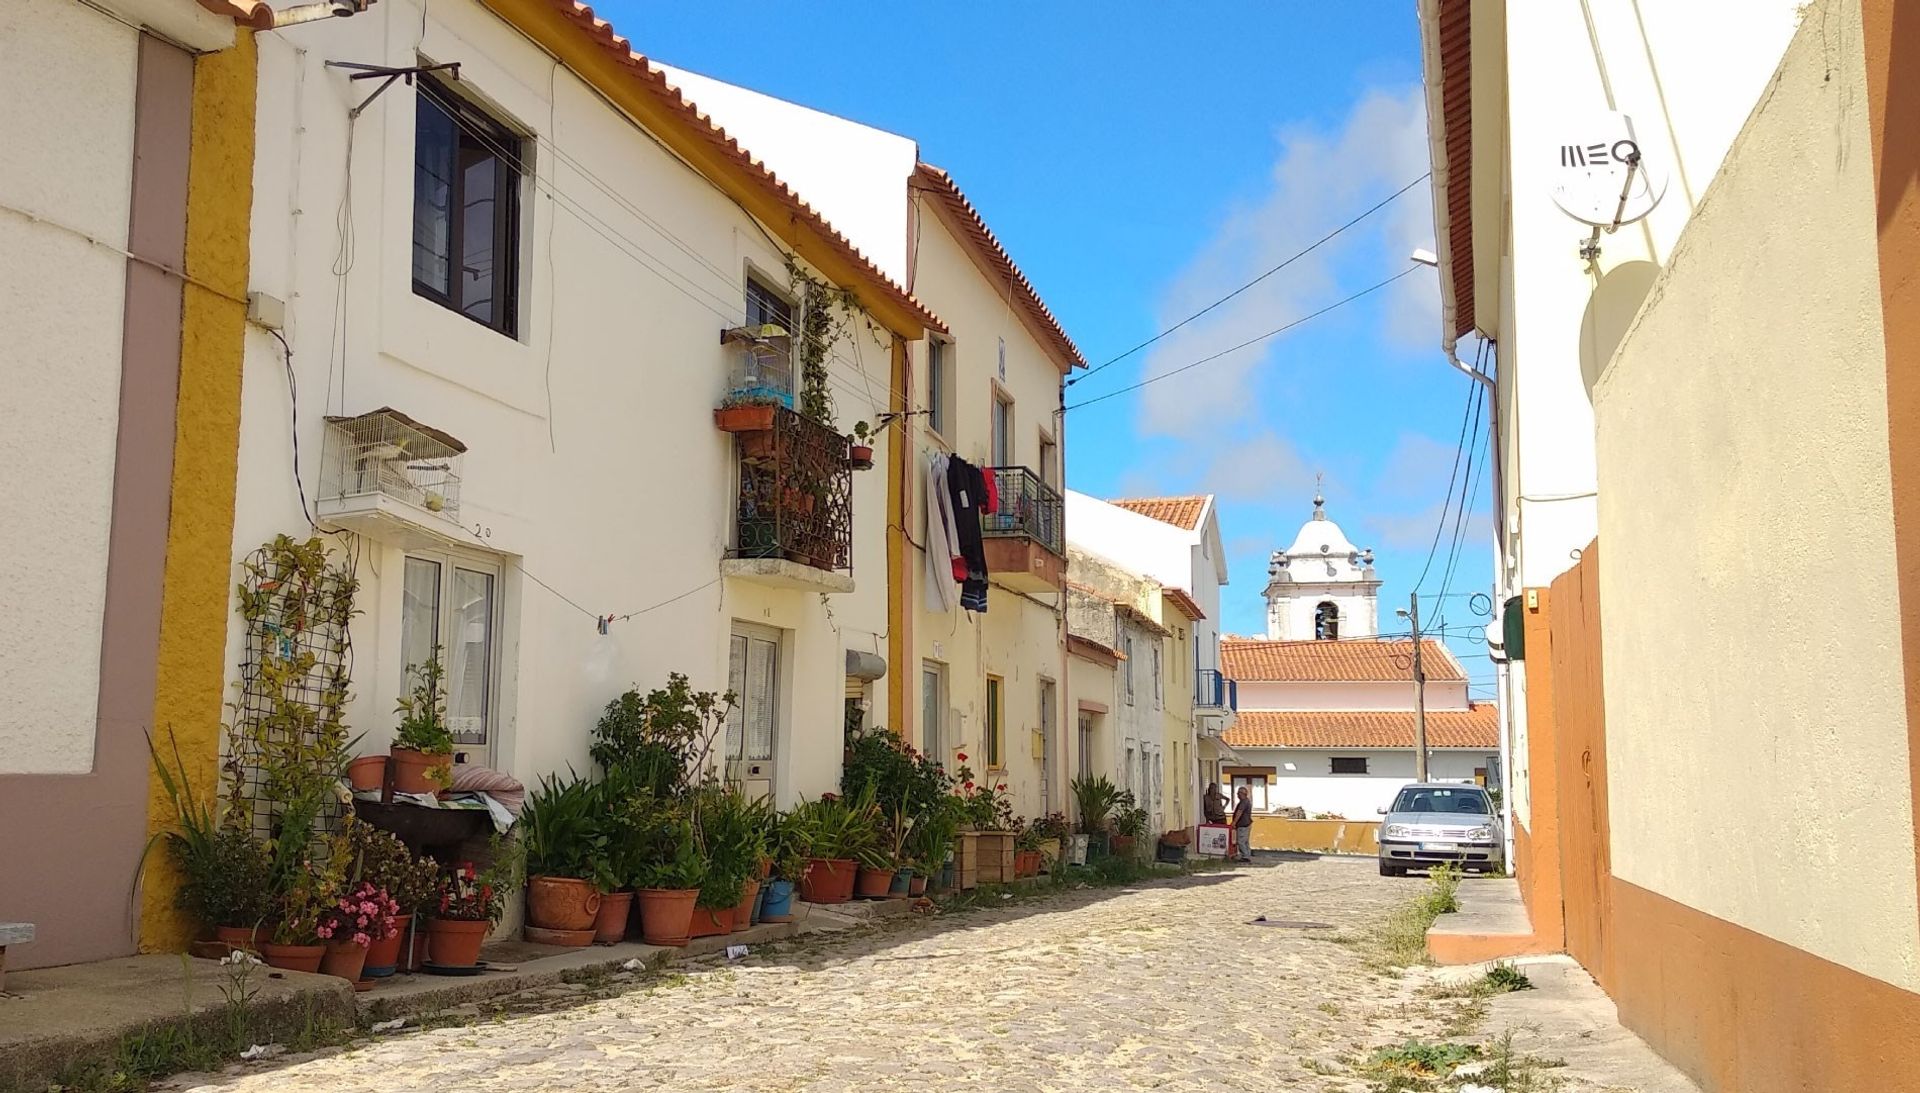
{"points": [[1181, 512], [974, 231], [1093, 650], [1359, 660], [654, 82], [1475, 727], [1184, 602]]}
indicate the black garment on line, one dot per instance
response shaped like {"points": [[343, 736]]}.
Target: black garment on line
{"points": [[968, 489]]}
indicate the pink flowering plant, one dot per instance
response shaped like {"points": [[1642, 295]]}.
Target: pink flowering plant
{"points": [[364, 915]]}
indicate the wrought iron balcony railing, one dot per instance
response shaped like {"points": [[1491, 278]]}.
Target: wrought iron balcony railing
{"points": [[796, 494], [1029, 508], [1212, 689]]}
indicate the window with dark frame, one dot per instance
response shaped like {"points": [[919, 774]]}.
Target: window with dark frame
{"points": [[466, 209], [1349, 764], [995, 744]]}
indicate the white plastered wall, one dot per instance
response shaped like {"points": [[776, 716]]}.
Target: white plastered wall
{"points": [[66, 104], [1751, 631]]}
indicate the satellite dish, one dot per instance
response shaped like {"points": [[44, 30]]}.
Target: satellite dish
{"points": [[1595, 160]]}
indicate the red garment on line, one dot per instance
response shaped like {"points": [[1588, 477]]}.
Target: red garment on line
{"points": [[992, 503]]}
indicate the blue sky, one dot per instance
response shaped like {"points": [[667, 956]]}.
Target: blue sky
{"points": [[1141, 160]]}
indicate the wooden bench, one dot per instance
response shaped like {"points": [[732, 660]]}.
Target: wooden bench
{"points": [[12, 933]]}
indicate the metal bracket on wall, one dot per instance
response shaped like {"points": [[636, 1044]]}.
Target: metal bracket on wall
{"points": [[390, 74]]}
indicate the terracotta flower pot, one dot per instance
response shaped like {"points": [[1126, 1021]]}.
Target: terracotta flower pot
{"points": [[566, 939], [749, 905], [344, 959], [239, 937], [917, 886], [828, 880], [711, 921], [1122, 845], [666, 914], [743, 419], [610, 925], [873, 883], [860, 456], [367, 772], [293, 958], [383, 956], [455, 942], [410, 771], [562, 903]]}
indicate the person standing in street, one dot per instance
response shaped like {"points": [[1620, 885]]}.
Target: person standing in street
{"points": [[1243, 823], [1214, 808]]}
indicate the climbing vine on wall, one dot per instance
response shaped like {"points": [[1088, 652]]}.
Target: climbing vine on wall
{"points": [[287, 738], [826, 312]]}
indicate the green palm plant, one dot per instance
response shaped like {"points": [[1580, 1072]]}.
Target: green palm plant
{"points": [[1094, 797]]}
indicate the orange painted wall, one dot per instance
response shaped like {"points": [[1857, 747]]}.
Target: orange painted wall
{"points": [[1580, 761], [1537, 845]]}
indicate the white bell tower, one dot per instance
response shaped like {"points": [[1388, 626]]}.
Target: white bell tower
{"points": [[1322, 586]]}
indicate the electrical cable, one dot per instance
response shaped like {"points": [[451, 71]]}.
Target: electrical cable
{"points": [[1315, 245], [1337, 304], [1459, 445], [293, 401]]}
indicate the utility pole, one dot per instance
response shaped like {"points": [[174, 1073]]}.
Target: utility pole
{"points": [[1419, 697]]}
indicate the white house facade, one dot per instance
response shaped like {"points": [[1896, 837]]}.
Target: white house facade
{"points": [[505, 287]]}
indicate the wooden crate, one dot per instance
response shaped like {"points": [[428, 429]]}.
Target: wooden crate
{"points": [[966, 860], [996, 857]]}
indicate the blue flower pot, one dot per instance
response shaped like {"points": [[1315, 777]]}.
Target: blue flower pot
{"points": [[901, 878], [776, 901]]}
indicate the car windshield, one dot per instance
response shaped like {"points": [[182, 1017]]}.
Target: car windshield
{"points": [[1471, 802]]}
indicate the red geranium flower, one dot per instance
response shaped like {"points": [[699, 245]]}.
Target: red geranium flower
{"points": [[969, 785], [1001, 786], [962, 757]]}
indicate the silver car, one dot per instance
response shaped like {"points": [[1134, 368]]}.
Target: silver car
{"points": [[1441, 823]]}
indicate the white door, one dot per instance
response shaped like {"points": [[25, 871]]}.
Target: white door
{"points": [[753, 666]]}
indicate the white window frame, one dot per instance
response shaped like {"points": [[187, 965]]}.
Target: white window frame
{"points": [[1002, 444], [1126, 647], [1159, 670], [449, 562], [933, 689]]}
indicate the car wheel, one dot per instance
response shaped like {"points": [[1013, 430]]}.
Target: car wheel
{"points": [[1392, 870]]}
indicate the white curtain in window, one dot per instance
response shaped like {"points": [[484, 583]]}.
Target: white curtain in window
{"points": [[470, 658], [419, 615], [752, 664]]}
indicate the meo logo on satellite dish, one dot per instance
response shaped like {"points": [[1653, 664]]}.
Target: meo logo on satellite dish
{"points": [[1603, 177]]}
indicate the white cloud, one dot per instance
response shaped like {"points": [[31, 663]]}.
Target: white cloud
{"points": [[1320, 179]]}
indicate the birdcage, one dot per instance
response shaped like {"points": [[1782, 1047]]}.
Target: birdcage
{"points": [[385, 452], [761, 365]]}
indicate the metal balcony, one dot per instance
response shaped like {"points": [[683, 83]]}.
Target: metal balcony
{"points": [[1025, 537], [793, 522], [1214, 691]]}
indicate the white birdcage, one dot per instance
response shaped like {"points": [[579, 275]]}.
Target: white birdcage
{"points": [[762, 364], [385, 452]]}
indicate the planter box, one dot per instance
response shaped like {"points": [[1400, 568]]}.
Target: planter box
{"points": [[1049, 854], [966, 860], [743, 419], [996, 856]]}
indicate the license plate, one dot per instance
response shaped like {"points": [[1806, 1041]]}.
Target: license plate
{"points": [[1440, 846]]}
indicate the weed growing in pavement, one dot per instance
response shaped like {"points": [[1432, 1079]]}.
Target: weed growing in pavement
{"points": [[1401, 939], [1504, 978], [1415, 1066], [1512, 1072]]}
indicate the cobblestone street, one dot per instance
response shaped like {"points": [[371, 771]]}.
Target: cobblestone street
{"points": [[1164, 986]]}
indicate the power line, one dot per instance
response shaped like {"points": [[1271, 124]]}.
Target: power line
{"points": [[1369, 290], [1315, 245], [1459, 446]]}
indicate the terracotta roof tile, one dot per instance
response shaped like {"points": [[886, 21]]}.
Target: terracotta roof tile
{"points": [[1093, 650], [654, 81], [976, 233], [1184, 602], [1349, 661], [1475, 727], [1181, 512]]}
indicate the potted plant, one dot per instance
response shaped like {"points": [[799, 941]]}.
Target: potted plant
{"points": [[1050, 834], [422, 748], [1129, 825], [839, 832], [668, 878], [756, 825], [1094, 797], [296, 943], [361, 915], [562, 838], [987, 811], [225, 874], [729, 846], [470, 903], [788, 853], [1026, 850], [412, 883], [614, 858], [860, 448], [745, 414]]}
